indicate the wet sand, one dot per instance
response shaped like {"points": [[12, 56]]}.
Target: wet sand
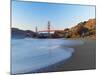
{"points": [[84, 58]]}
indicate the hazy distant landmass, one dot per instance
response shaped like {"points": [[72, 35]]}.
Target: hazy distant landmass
{"points": [[81, 30], [18, 33]]}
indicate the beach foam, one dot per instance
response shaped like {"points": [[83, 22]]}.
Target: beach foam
{"points": [[33, 54]]}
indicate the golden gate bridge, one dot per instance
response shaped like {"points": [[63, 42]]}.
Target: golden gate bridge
{"points": [[46, 32]]}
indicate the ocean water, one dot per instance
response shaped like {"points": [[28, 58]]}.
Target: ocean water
{"points": [[33, 54]]}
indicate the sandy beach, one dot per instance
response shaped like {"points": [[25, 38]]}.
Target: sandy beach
{"points": [[84, 58]]}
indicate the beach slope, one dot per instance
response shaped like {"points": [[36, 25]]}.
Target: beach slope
{"points": [[84, 58]]}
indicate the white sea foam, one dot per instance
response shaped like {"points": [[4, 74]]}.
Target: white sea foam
{"points": [[33, 54]]}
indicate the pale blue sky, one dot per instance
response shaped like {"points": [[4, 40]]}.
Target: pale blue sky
{"points": [[28, 15]]}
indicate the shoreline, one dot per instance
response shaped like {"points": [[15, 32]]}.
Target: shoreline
{"points": [[84, 58]]}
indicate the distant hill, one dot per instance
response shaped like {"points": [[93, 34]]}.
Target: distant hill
{"points": [[81, 30], [18, 33]]}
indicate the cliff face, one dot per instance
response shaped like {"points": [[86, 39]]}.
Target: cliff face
{"points": [[90, 24], [83, 29], [18, 33]]}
